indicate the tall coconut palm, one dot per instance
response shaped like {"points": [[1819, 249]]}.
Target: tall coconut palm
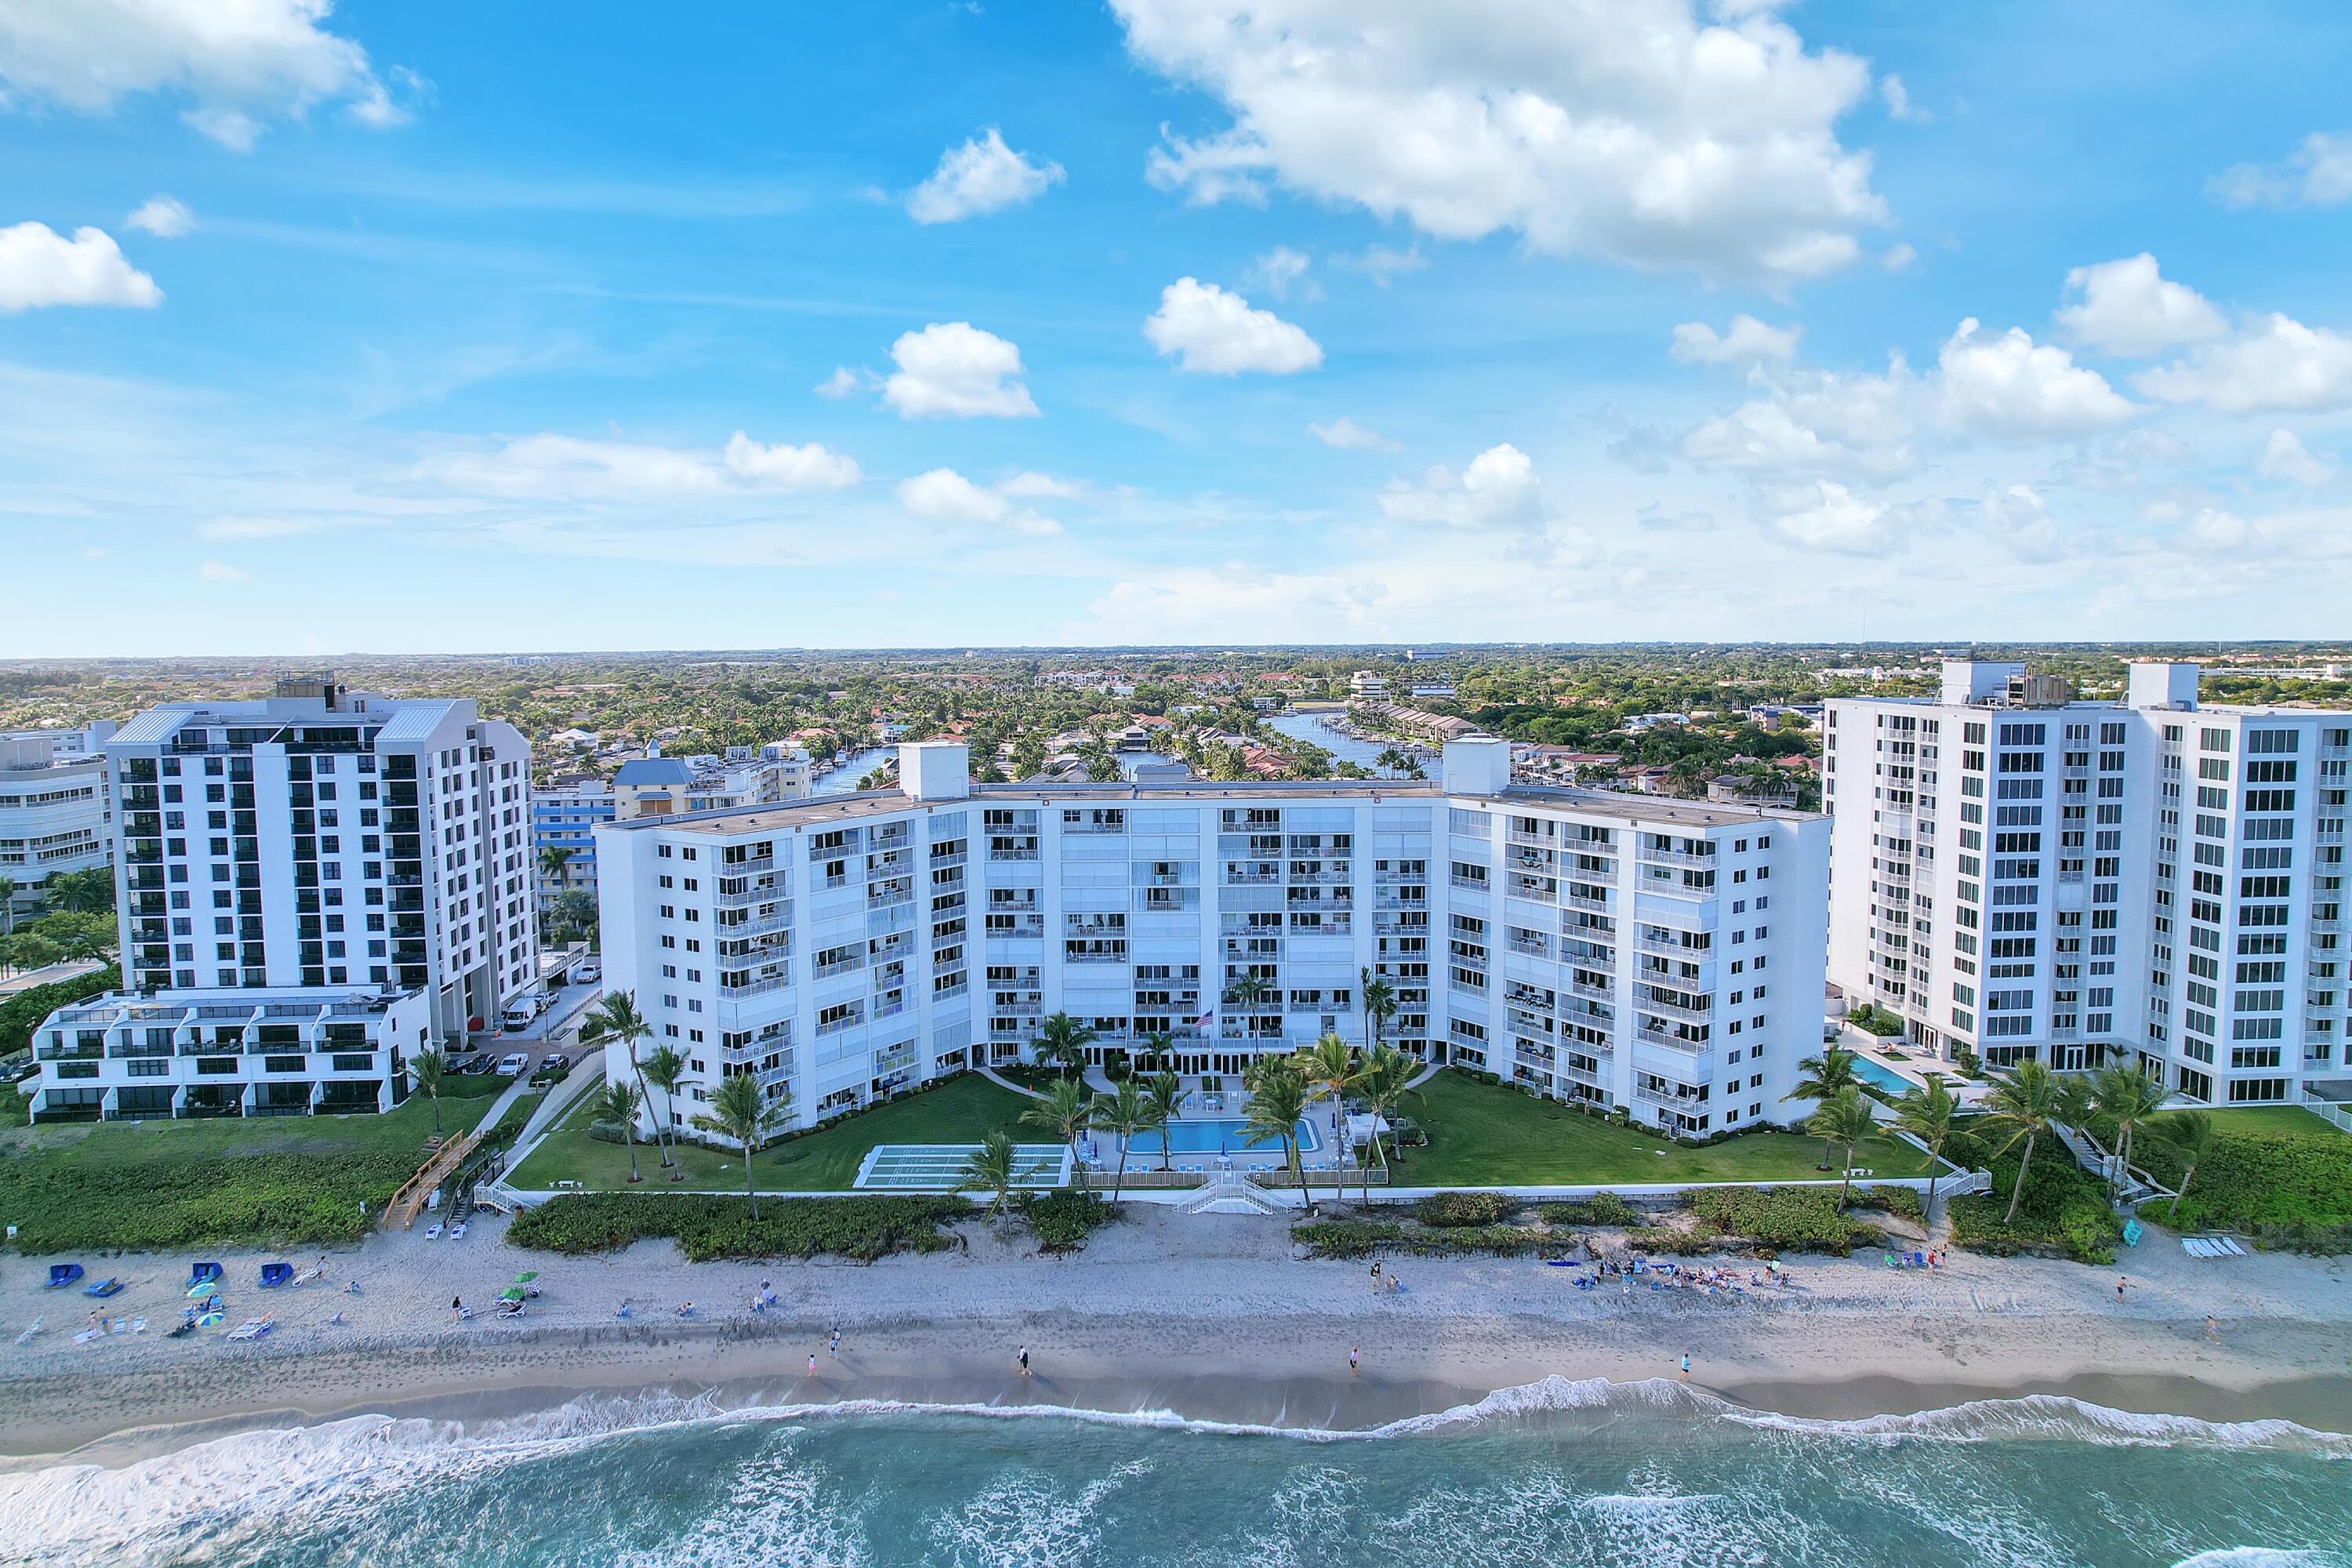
{"points": [[1247, 993], [1927, 1114], [1382, 1084], [740, 1110], [430, 1069], [1165, 1094], [1064, 1108], [2190, 1133], [990, 1169], [1380, 1005], [1126, 1112], [1329, 1066], [82, 892], [1277, 1099], [1159, 1045], [666, 1070], [615, 1022], [1061, 1040], [554, 859], [2130, 1098], [1827, 1076], [619, 1103], [1843, 1119], [2030, 1103]]}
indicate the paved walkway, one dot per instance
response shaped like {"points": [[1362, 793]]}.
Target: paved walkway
{"points": [[998, 1078], [49, 974]]}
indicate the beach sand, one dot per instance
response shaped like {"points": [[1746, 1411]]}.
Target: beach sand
{"points": [[1210, 1318]]}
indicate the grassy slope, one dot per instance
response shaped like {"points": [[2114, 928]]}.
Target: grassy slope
{"points": [[1483, 1134], [962, 1110]]}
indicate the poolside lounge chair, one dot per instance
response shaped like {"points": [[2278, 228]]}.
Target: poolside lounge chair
{"points": [[275, 1275], [203, 1274], [252, 1328], [63, 1274], [110, 1285], [432, 1231]]}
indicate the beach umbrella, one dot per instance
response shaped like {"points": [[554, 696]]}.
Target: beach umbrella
{"points": [[511, 1293], [527, 1275]]}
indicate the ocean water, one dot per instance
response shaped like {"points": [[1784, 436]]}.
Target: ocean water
{"points": [[1560, 1472]]}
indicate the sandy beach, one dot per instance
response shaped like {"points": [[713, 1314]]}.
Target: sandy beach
{"points": [[1207, 1318]]}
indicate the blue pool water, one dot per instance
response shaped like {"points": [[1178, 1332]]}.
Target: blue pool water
{"points": [[1877, 1077], [1227, 1133]]}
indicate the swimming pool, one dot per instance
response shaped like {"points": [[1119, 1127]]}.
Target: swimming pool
{"points": [[1878, 1077], [1229, 1136]]}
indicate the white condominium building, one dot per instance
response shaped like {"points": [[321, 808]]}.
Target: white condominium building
{"points": [[325, 838], [2022, 874], [1662, 956], [55, 808]]}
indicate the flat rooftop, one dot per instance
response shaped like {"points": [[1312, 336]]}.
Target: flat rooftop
{"points": [[819, 813]]}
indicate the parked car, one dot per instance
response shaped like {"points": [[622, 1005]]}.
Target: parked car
{"points": [[521, 1011], [477, 1065], [587, 971], [555, 1060], [514, 1063]]}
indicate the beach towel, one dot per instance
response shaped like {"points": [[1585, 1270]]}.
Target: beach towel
{"points": [[87, 1335]]}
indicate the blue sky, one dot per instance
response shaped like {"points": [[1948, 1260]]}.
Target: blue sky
{"points": [[430, 327]]}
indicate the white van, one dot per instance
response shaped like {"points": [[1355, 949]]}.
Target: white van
{"points": [[521, 1010]]}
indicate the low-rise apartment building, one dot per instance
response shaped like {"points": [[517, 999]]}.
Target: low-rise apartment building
{"points": [[55, 811]]}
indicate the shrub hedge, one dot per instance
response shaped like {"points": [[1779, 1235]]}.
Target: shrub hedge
{"points": [[1062, 1221], [707, 1226], [1601, 1209], [1365, 1237], [1780, 1220], [61, 1203], [2283, 1189], [1900, 1201], [2065, 1212], [1456, 1209]]}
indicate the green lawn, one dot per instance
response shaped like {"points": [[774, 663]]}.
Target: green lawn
{"points": [[2266, 1120], [1486, 1135], [157, 1185], [962, 1110]]}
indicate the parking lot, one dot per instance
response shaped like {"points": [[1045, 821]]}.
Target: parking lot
{"points": [[553, 1032]]}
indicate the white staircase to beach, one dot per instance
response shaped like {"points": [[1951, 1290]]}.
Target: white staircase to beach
{"points": [[2091, 1155], [1229, 1191]]}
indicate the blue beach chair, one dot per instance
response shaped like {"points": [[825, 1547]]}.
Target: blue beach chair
{"points": [[63, 1274]]}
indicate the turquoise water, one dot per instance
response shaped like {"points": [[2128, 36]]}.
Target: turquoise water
{"points": [[1560, 1473], [1877, 1077], [1229, 1135]]}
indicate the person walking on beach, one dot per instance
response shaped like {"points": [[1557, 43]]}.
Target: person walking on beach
{"points": [[811, 1371], [2213, 1328], [1355, 1358], [1025, 1361], [1687, 1366], [2120, 1283], [1375, 1276], [835, 1349]]}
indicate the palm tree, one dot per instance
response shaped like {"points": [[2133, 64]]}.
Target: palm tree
{"points": [[8, 906], [1329, 1065], [1927, 1115], [1384, 1079], [430, 1068], [619, 1103], [2190, 1133], [1247, 992], [615, 1021], [1827, 1076], [665, 1069], [1066, 1108], [1158, 1045], [1277, 1099], [1126, 1112], [1380, 1006], [2130, 1098], [553, 860], [84, 893], [1061, 1040], [2030, 1103], [1164, 1092], [990, 1169], [740, 1110], [1843, 1119]]}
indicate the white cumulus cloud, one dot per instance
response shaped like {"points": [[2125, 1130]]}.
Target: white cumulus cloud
{"points": [[952, 370], [807, 467], [943, 495], [1498, 490], [2284, 456], [1210, 330], [39, 267], [1350, 436], [2126, 307], [1816, 422], [235, 64], [980, 177], [2272, 363], [2011, 386], [2316, 174], [1825, 515], [550, 465], [165, 218], [1696, 343], [1632, 130]]}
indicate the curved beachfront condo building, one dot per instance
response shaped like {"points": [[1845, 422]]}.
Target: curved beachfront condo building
{"points": [[1665, 956]]}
